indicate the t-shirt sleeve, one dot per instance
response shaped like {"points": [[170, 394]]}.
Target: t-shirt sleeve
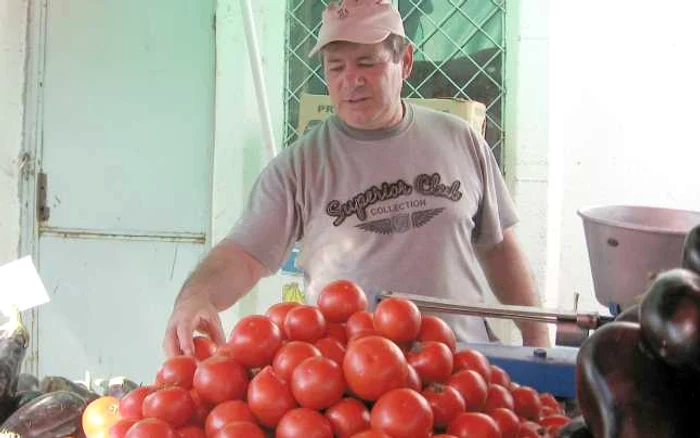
{"points": [[496, 211], [271, 223]]}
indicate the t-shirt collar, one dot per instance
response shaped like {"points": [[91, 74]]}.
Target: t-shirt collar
{"points": [[376, 134]]}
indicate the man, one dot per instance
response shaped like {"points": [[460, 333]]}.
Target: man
{"points": [[386, 194]]}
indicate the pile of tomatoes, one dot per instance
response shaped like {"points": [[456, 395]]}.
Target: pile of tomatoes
{"points": [[333, 370]]}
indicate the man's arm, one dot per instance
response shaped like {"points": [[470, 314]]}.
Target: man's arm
{"points": [[225, 275], [510, 278]]}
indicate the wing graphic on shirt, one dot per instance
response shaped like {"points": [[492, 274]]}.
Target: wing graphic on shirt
{"points": [[420, 218], [381, 226]]}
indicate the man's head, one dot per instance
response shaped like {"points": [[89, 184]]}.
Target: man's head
{"points": [[366, 57]]}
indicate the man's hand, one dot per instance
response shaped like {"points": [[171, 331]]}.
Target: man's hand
{"points": [[190, 314], [225, 275]]}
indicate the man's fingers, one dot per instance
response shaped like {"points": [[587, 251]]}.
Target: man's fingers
{"points": [[216, 332], [184, 334], [171, 346]]}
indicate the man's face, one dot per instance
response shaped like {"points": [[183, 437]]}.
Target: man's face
{"points": [[364, 83]]}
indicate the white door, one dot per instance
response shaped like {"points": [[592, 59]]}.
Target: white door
{"points": [[127, 119]]}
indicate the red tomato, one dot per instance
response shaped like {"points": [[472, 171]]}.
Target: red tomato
{"points": [[130, 406], [365, 333], [292, 354], [473, 360], [397, 319], [338, 332], [498, 397], [359, 322], [220, 378], [318, 383], [240, 429], [473, 388], [151, 428], [403, 413], [553, 423], [527, 403], [201, 408], [304, 423], [190, 432], [433, 328], [507, 421], [371, 434], [445, 402], [373, 366], [530, 429], [204, 348], [99, 415], [173, 405], [120, 428], [254, 341], [305, 323], [332, 349], [548, 400], [444, 435], [499, 376], [227, 412], [349, 416], [278, 312], [269, 397], [474, 424], [413, 380], [340, 299], [178, 371], [432, 360]]}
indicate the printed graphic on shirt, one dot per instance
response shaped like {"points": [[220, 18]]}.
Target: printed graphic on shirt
{"points": [[401, 223], [361, 203]]}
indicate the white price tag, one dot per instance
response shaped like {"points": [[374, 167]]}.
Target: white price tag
{"points": [[21, 286]]}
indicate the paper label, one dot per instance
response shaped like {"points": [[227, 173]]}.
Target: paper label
{"points": [[21, 286]]}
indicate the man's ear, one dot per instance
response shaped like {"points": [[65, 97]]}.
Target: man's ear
{"points": [[407, 61]]}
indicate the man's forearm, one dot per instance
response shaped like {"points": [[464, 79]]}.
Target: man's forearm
{"points": [[225, 275], [512, 282]]}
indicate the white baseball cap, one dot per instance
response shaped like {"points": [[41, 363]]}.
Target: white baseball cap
{"points": [[359, 21]]}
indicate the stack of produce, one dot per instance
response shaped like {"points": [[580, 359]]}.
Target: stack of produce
{"points": [[331, 370], [639, 377]]}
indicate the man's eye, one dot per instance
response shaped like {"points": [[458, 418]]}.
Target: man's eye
{"points": [[335, 69], [367, 65]]}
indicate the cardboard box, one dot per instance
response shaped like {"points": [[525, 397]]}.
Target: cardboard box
{"points": [[315, 108]]}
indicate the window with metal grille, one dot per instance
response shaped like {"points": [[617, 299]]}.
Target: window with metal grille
{"points": [[459, 53]]}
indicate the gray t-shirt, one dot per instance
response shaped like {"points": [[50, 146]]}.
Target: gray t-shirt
{"points": [[399, 209]]}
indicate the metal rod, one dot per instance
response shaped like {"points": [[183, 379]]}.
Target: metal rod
{"points": [[498, 311]]}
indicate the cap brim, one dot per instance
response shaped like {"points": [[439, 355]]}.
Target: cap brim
{"points": [[372, 36]]}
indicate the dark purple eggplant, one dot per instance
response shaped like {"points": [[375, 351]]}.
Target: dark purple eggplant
{"points": [[669, 317], [58, 383], [630, 314], [624, 391], [14, 339], [27, 382], [576, 428], [691, 250], [54, 415], [24, 397]]}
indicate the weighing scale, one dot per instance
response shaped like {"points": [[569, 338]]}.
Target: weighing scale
{"points": [[627, 247]]}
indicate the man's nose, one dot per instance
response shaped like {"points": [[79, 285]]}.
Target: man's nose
{"points": [[354, 77]]}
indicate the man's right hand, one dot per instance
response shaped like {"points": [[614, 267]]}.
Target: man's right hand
{"points": [[189, 315]]}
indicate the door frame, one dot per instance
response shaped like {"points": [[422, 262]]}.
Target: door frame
{"points": [[32, 149]]}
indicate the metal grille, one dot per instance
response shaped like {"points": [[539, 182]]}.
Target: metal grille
{"points": [[459, 53]]}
